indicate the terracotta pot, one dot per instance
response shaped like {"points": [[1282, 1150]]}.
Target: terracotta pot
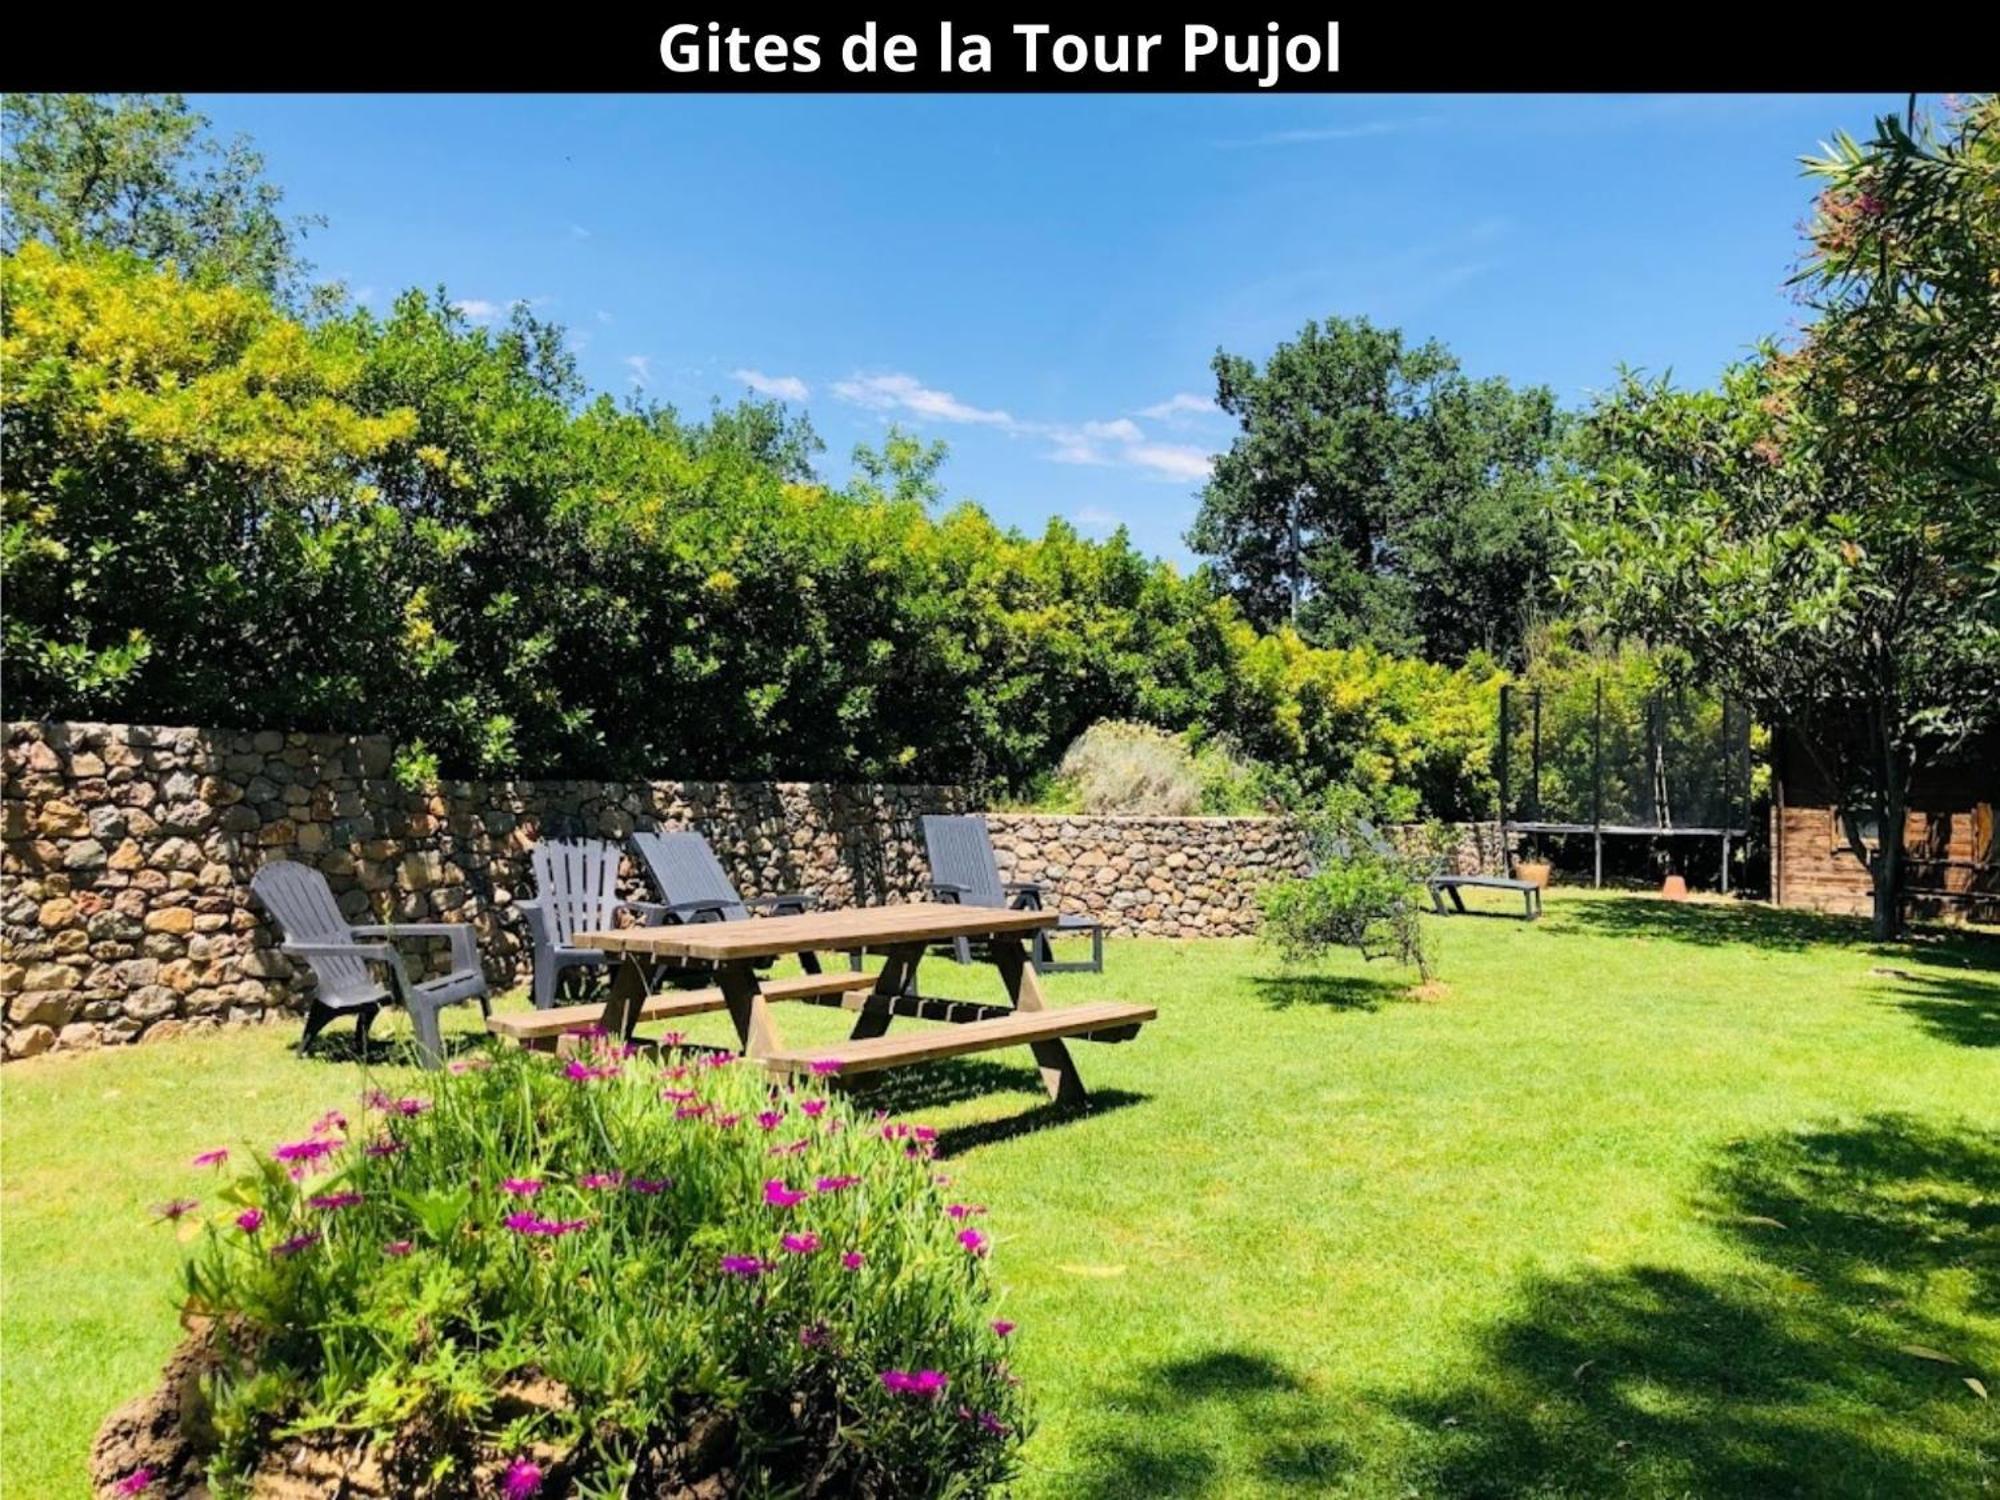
{"points": [[1674, 888], [1535, 871]]}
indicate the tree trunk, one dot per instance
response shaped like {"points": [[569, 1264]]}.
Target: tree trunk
{"points": [[1888, 863]]}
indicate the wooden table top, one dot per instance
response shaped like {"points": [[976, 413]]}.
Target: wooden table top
{"points": [[849, 928]]}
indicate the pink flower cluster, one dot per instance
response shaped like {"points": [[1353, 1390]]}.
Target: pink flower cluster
{"points": [[528, 1223], [929, 1384]]}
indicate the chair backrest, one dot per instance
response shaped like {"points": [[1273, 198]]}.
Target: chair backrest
{"points": [[576, 881], [300, 901], [683, 867], [961, 854]]}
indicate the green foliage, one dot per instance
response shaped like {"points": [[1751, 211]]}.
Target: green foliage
{"points": [[219, 514], [1119, 767], [1822, 532], [1377, 495], [138, 173], [530, 1223], [1365, 891]]}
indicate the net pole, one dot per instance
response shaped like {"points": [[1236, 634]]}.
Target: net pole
{"points": [[1506, 843], [1597, 788]]}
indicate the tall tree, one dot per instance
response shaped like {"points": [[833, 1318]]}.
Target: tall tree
{"points": [[1823, 532], [1377, 495], [141, 173]]}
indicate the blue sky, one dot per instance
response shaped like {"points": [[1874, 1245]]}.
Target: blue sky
{"points": [[1042, 281]]}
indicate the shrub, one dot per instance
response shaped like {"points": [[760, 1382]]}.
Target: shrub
{"points": [[1116, 767], [631, 1274], [1365, 891]]}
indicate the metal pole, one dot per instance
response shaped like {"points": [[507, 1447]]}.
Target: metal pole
{"points": [[1597, 788], [1537, 763], [1506, 844]]}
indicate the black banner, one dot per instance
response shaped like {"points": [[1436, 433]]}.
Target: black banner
{"points": [[906, 49]]}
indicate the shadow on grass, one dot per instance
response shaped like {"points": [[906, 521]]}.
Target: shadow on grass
{"points": [[956, 1140], [1183, 1425], [1361, 992], [1794, 1378], [1963, 1011], [1715, 923], [914, 1091], [343, 1046]]}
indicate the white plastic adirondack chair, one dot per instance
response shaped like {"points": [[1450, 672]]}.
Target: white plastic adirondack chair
{"points": [[576, 890], [362, 976]]}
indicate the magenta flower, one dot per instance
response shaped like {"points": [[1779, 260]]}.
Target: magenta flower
{"points": [[779, 1196], [650, 1186], [824, 1067], [213, 1158], [728, 1122], [521, 1187], [814, 1108], [991, 1423], [746, 1266], [1001, 1328], [790, 1148], [596, 1180], [672, 1038], [136, 1483], [178, 1208], [716, 1060], [965, 1210], [854, 1260], [973, 1240], [580, 1072], [388, 1146], [250, 1220], [329, 1122], [800, 1244], [396, 1247], [770, 1119], [926, 1383], [815, 1336], [690, 1111], [589, 1032], [521, 1480], [334, 1200], [305, 1151], [677, 1096], [527, 1223], [835, 1184], [296, 1243]]}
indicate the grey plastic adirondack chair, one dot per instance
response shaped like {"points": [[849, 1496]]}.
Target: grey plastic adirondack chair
{"points": [[694, 887], [362, 976], [965, 869], [576, 890]]}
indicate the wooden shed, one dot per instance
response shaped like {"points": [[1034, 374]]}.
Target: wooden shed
{"points": [[1951, 842]]}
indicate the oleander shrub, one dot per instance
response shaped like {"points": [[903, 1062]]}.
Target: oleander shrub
{"points": [[623, 1274]]}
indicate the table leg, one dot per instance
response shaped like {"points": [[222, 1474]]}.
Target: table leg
{"points": [[898, 977], [1059, 1075], [1017, 972], [627, 996], [748, 1009]]}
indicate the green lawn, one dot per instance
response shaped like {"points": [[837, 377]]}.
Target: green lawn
{"points": [[1657, 1200]]}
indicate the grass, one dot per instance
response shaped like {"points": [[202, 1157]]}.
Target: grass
{"points": [[1657, 1201]]}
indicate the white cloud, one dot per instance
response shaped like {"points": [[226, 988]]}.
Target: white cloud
{"points": [[1096, 518], [364, 294], [1180, 404], [478, 309], [1312, 135], [1119, 430], [578, 232], [1171, 460], [907, 393], [641, 366], [784, 387], [603, 316]]}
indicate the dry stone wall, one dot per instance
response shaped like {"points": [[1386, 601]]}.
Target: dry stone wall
{"points": [[125, 908]]}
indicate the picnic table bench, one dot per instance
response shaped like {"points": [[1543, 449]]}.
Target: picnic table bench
{"points": [[900, 935]]}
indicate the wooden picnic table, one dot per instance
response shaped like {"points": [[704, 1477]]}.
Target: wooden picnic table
{"points": [[901, 935]]}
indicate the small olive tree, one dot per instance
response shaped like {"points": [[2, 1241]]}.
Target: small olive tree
{"points": [[1365, 891]]}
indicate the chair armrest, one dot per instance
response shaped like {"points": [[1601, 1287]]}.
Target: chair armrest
{"points": [[1027, 894], [653, 911], [464, 942], [540, 934], [375, 953], [802, 900], [946, 890], [696, 911]]}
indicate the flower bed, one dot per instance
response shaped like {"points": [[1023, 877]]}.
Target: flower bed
{"points": [[620, 1274]]}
